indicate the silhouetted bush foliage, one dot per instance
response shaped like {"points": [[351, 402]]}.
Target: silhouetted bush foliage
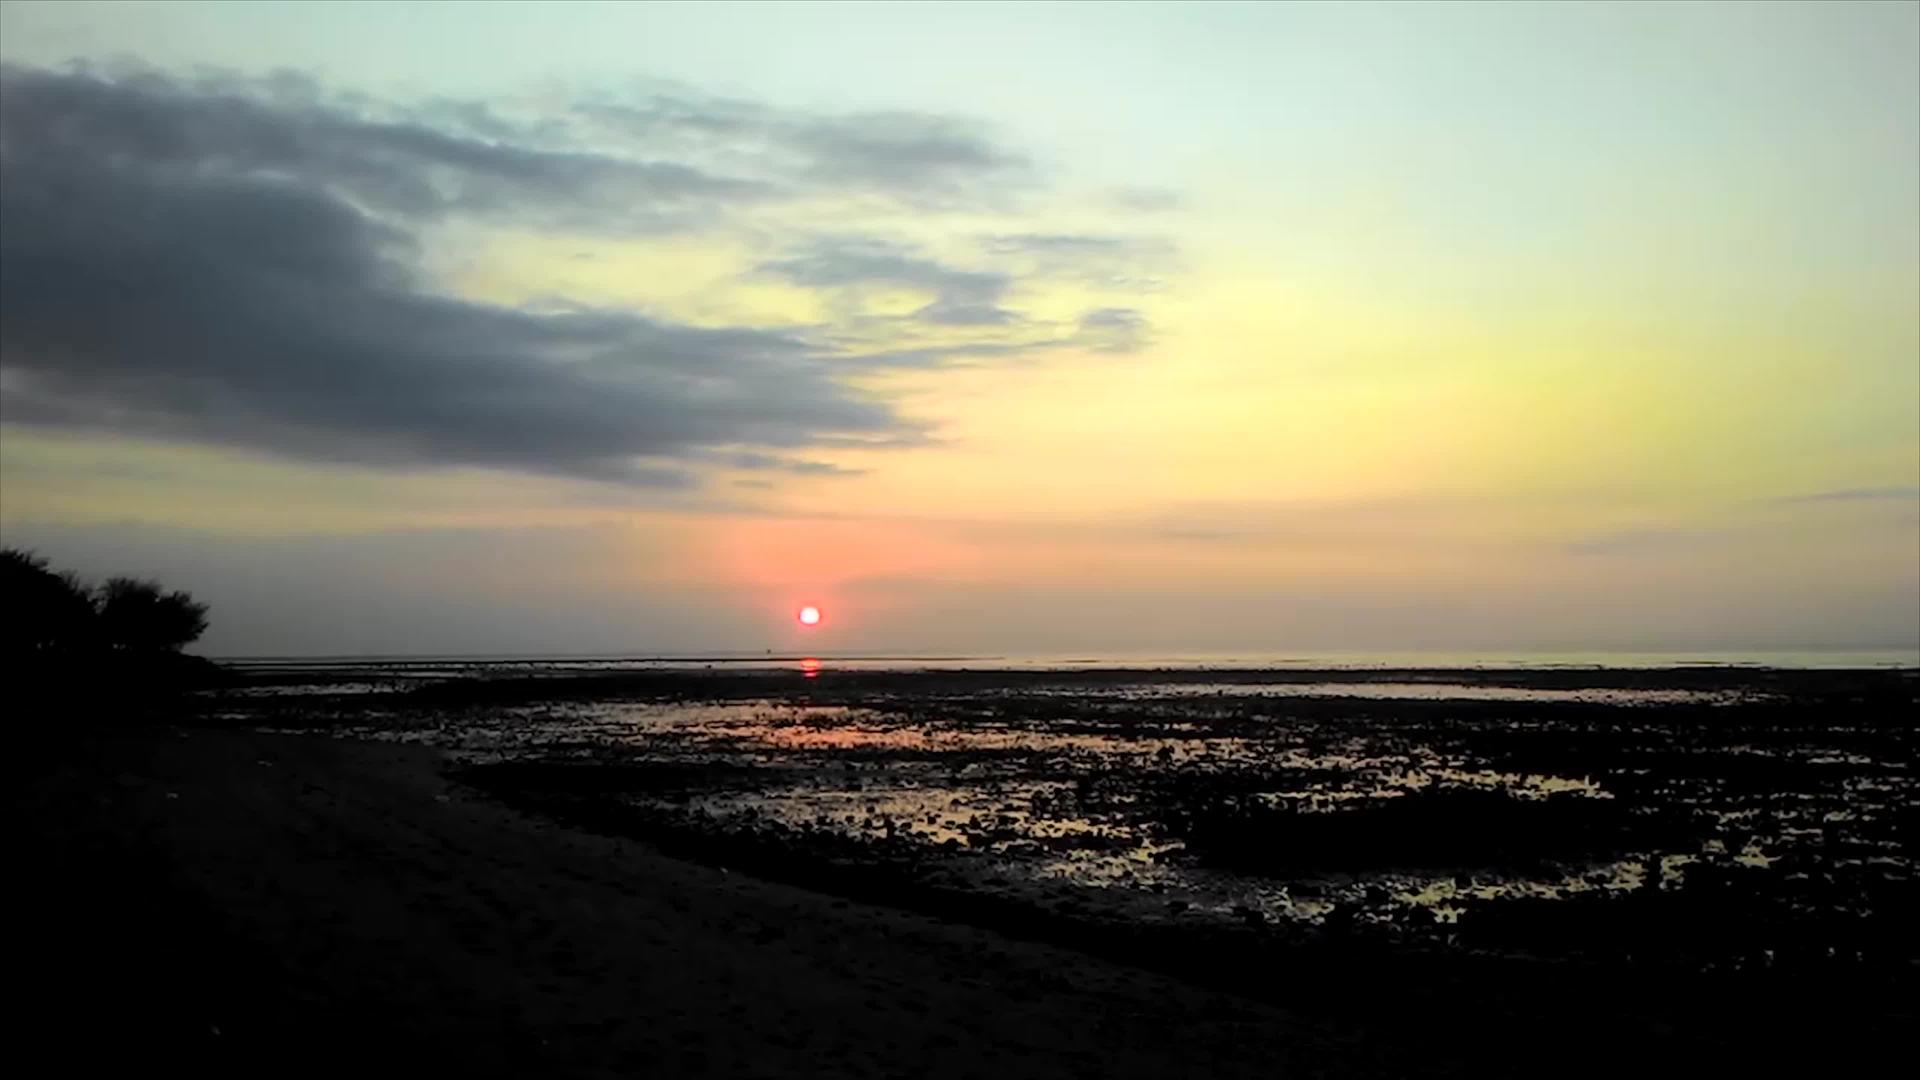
{"points": [[45, 611], [137, 615], [55, 615]]}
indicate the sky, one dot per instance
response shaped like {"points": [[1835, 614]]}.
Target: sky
{"points": [[1025, 328]]}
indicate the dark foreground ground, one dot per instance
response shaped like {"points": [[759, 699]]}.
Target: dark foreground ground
{"points": [[254, 902], [261, 905]]}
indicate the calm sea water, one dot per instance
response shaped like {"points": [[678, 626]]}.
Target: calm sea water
{"points": [[1878, 658]]}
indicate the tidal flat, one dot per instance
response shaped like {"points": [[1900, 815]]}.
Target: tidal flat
{"points": [[1547, 845]]}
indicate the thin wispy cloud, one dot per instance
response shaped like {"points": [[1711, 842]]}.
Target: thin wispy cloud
{"points": [[959, 297], [976, 303], [1858, 495], [1117, 262], [919, 158]]}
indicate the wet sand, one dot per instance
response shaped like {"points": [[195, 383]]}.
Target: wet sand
{"points": [[266, 904]]}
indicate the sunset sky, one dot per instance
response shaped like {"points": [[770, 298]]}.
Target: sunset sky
{"points": [[453, 328]]}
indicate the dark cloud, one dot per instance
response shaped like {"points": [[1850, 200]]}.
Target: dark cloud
{"points": [[186, 265], [752, 460], [237, 261], [947, 355], [395, 166]]}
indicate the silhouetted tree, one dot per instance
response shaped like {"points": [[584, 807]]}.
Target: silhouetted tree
{"points": [[45, 612], [136, 616], [63, 641], [50, 614]]}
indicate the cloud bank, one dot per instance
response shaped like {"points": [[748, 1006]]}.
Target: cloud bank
{"points": [[237, 263]]}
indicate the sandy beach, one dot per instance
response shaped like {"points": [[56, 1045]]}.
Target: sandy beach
{"points": [[259, 903]]}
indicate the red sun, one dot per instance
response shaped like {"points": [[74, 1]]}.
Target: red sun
{"points": [[809, 616]]}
